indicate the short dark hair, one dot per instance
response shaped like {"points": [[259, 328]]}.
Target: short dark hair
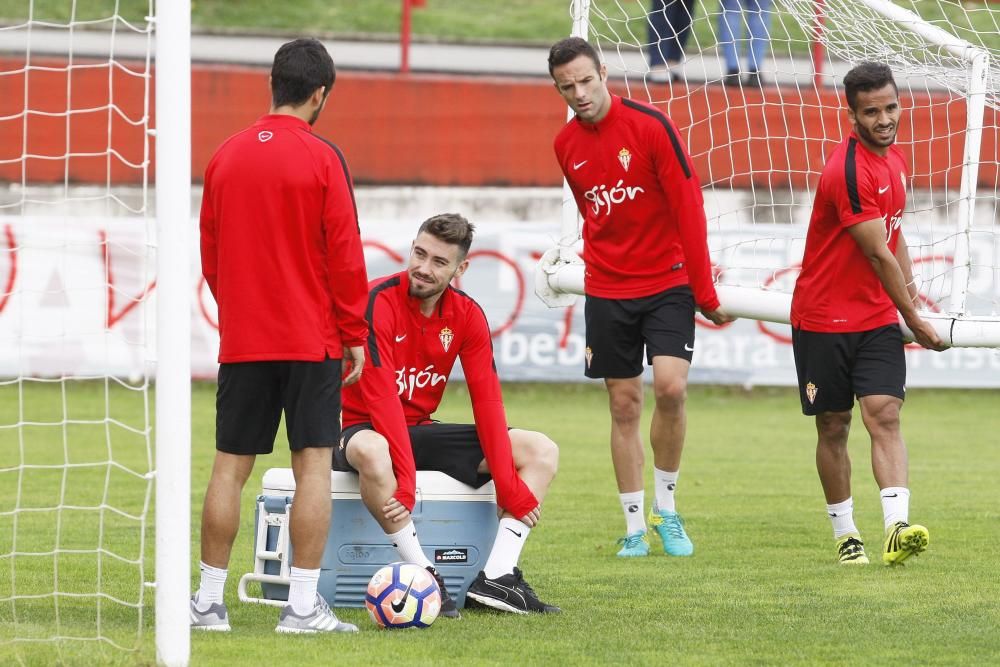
{"points": [[866, 77], [451, 228], [300, 67], [569, 49]]}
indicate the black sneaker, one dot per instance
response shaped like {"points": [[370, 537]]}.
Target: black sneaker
{"points": [[508, 593], [448, 607], [754, 80], [732, 79]]}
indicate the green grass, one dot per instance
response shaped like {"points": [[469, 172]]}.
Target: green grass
{"points": [[511, 21], [762, 587]]}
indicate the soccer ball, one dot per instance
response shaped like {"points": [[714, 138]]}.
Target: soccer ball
{"points": [[403, 595]]}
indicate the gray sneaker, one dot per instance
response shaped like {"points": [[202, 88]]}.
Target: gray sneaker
{"points": [[320, 619], [213, 619]]}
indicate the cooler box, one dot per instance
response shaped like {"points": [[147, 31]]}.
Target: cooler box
{"points": [[456, 525]]}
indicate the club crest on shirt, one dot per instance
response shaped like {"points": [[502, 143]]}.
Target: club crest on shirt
{"points": [[625, 157], [264, 136], [811, 391], [589, 355], [446, 335]]}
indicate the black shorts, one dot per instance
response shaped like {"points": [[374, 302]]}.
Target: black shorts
{"points": [[617, 330], [253, 394], [833, 368], [453, 449]]}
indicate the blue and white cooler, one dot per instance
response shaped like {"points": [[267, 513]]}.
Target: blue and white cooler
{"points": [[456, 525]]}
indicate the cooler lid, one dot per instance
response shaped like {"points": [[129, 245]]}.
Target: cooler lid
{"points": [[431, 485]]}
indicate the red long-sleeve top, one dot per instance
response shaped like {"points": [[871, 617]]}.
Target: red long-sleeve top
{"points": [[280, 245], [410, 357], [644, 228]]}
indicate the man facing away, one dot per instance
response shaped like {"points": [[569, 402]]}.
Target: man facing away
{"points": [[846, 337], [281, 253], [419, 325], [646, 267]]}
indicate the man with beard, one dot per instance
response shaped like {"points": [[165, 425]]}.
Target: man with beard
{"points": [[419, 325], [647, 267], [846, 337], [281, 253]]}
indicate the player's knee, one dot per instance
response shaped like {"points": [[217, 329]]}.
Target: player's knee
{"points": [[625, 405], [833, 428], [370, 456], [670, 394], [884, 419], [545, 453]]}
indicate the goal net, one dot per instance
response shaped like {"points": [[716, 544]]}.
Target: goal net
{"points": [[78, 333], [757, 94]]}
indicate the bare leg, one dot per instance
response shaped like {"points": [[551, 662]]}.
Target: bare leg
{"points": [[310, 520], [627, 455], [536, 458], [832, 460], [669, 424], [368, 453], [220, 516], [889, 459]]}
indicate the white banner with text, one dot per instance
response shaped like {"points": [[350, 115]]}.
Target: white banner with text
{"points": [[79, 300]]}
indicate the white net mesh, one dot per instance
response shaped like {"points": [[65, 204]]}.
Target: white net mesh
{"points": [[759, 119], [76, 267]]}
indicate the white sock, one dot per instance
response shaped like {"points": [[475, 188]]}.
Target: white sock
{"points": [[842, 517], [895, 505], [213, 582], [408, 545], [511, 536], [632, 506], [302, 590], [665, 484]]}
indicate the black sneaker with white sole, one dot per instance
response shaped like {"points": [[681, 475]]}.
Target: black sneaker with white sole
{"points": [[448, 607], [509, 592]]}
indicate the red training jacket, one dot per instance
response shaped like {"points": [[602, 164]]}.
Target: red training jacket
{"points": [[644, 228], [410, 357], [280, 245]]}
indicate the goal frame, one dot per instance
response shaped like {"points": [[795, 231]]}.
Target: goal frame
{"points": [[559, 273], [173, 331]]}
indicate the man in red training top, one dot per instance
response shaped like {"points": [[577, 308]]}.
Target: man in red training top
{"points": [[419, 325], [645, 252], [281, 252], [845, 326]]}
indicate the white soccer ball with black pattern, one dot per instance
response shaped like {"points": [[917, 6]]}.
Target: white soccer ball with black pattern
{"points": [[403, 595]]}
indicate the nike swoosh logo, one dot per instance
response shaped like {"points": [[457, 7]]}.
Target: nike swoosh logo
{"points": [[689, 348], [891, 495], [513, 531], [882, 190], [577, 165], [398, 605], [400, 338]]}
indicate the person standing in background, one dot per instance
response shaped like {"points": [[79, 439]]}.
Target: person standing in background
{"points": [[647, 268], [755, 15], [669, 26]]}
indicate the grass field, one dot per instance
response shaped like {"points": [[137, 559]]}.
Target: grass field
{"points": [[511, 21], [762, 587]]}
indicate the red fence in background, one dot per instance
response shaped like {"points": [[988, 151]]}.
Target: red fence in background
{"points": [[443, 130]]}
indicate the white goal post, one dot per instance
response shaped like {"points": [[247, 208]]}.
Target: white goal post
{"points": [[951, 201], [173, 368], [95, 313]]}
